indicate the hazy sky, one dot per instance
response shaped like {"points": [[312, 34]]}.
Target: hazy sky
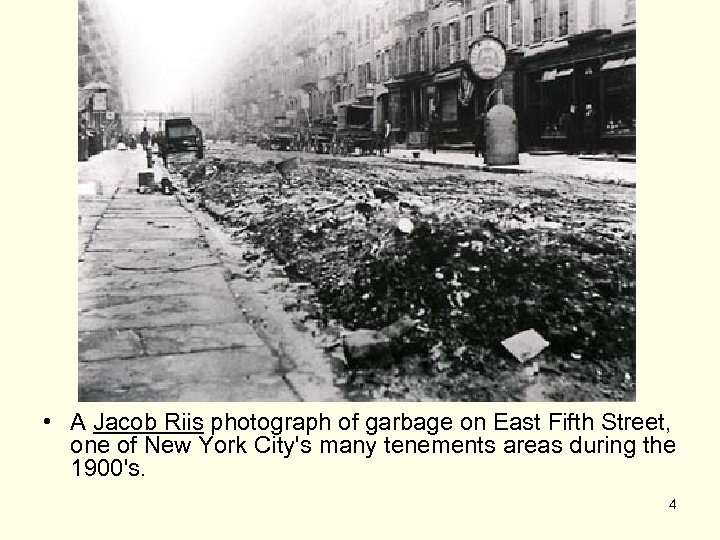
{"points": [[170, 46]]}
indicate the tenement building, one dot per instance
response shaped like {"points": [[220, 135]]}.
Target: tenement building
{"points": [[409, 60], [100, 92]]}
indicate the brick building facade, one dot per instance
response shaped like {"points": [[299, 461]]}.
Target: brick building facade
{"points": [[408, 58]]}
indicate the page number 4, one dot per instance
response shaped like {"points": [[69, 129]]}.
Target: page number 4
{"points": [[672, 504]]}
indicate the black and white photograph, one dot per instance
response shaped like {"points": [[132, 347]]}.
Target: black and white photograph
{"points": [[356, 200]]}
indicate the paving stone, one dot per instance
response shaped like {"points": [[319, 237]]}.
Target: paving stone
{"points": [[107, 312], [105, 344], [162, 261], [206, 280], [141, 244], [148, 233], [131, 224], [230, 375], [174, 339]]}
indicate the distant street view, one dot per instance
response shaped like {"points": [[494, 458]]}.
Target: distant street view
{"points": [[370, 200]]}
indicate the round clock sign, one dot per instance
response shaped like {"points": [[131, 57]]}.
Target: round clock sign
{"points": [[487, 58]]}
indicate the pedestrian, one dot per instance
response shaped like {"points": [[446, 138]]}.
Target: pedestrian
{"points": [[432, 131], [590, 129], [388, 131], [144, 138], [569, 123], [479, 137]]}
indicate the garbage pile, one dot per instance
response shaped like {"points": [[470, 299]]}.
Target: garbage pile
{"points": [[430, 272]]}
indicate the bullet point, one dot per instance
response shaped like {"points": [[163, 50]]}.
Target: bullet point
{"points": [[47, 420]]}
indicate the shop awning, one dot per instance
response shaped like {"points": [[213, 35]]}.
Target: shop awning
{"points": [[565, 72], [549, 75], [380, 90], [447, 76], [629, 61], [613, 64]]}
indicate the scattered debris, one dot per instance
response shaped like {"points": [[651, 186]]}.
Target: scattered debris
{"points": [[367, 348], [525, 345], [467, 257]]}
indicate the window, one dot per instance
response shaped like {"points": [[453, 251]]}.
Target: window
{"points": [[411, 54], [537, 21], [630, 11], [489, 20], [423, 51], [367, 27], [368, 74], [359, 31], [361, 77], [515, 27], [454, 35], [594, 13], [397, 59], [468, 27], [564, 12], [435, 46]]}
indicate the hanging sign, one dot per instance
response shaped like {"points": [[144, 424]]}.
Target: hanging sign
{"points": [[487, 58], [99, 102]]}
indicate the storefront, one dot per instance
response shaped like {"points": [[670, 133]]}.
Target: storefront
{"points": [[596, 68], [409, 108], [452, 96]]}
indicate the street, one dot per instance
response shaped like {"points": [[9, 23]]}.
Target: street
{"points": [[359, 278]]}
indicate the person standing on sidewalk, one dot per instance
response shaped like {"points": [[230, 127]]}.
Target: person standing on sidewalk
{"points": [[590, 129], [388, 131], [144, 138], [479, 136], [432, 128], [570, 128]]}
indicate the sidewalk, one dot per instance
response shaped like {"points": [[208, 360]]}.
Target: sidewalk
{"points": [[156, 319], [559, 164]]}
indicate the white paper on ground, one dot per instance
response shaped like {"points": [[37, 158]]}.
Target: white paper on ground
{"points": [[525, 345]]}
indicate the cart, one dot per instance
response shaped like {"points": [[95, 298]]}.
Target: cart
{"points": [[354, 129], [322, 135]]}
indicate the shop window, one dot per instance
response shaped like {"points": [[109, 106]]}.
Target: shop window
{"points": [[619, 103], [564, 18], [556, 96], [448, 104]]}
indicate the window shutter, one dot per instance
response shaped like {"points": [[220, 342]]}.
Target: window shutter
{"points": [[572, 16], [502, 18]]}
